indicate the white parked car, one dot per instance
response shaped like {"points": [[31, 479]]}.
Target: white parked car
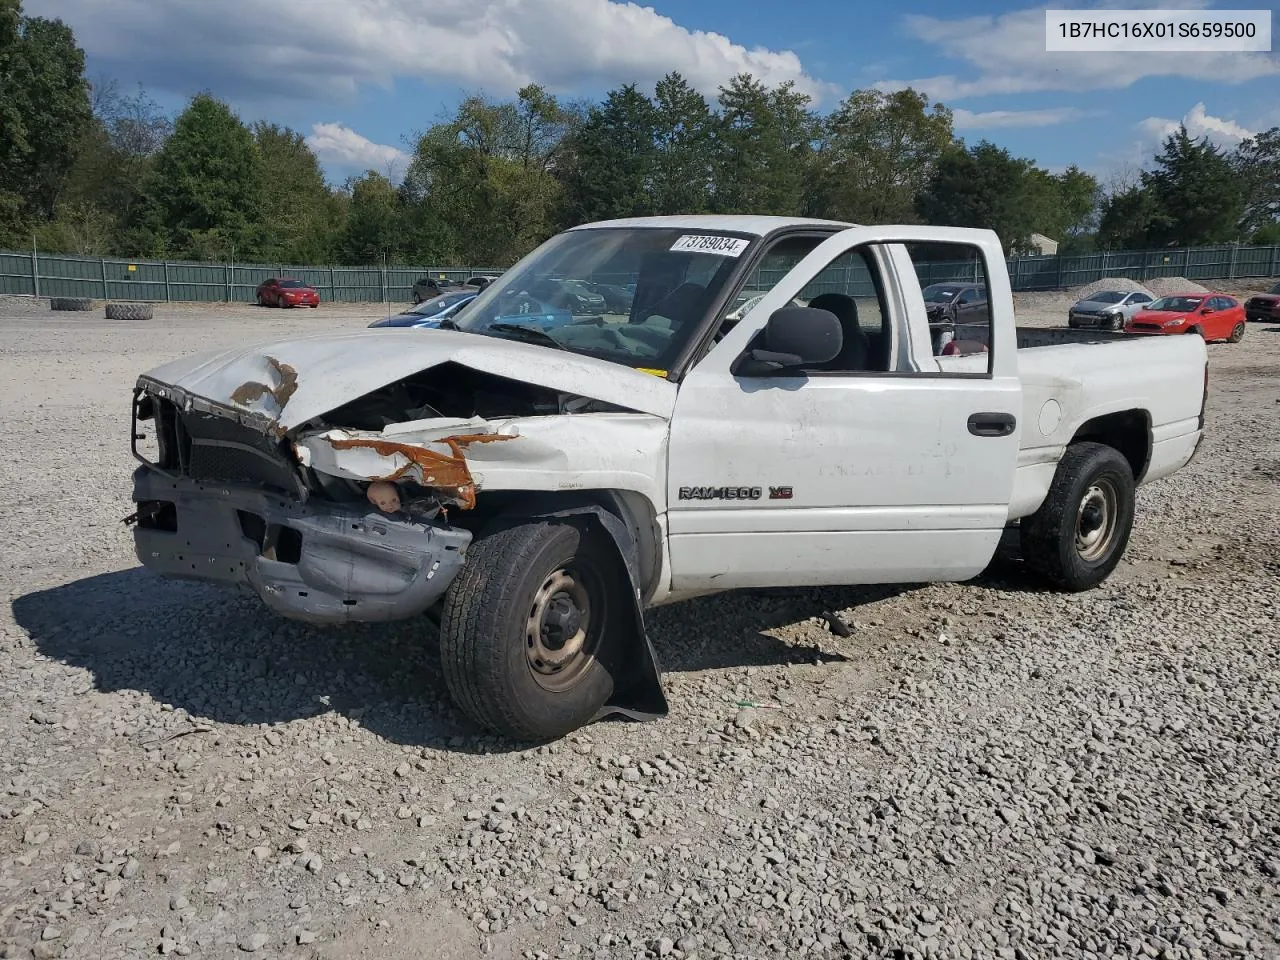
{"points": [[1107, 309], [537, 488]]}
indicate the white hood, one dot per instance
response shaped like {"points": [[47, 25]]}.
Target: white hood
{"points": [[293, 381]]}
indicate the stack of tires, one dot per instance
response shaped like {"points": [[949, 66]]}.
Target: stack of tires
{"points": [[114, 311]]}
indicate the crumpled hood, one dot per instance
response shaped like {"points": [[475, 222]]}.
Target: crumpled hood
{"points": [[290, 382]]}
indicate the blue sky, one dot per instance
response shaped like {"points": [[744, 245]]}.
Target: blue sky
{"points": [[360, 76]]}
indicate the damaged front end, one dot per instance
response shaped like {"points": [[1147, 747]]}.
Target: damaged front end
{"points": [[221, 500]]}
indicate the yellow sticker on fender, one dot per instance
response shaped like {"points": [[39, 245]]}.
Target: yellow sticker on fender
{"points": [[656, 373]]}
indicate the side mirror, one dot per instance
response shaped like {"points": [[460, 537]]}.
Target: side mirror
{"points": [[794, 337], [1206, 309]]}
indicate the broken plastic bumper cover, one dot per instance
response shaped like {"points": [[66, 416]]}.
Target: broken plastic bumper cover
{"points": [[318, 561]]}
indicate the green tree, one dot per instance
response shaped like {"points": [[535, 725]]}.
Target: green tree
{"points": [[881, 149], [1198, 194], [1257, 163], [205, 192], [683, 133], [765, 154], [44, 108], [299, 214], [99, 208], [482, 187], [1079, 196], [986, 186], [371, 229], [1127, 215], [610, 160]]}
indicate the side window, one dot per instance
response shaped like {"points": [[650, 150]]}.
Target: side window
{"points": [[850, 288], [853, 288], [959, 327]]}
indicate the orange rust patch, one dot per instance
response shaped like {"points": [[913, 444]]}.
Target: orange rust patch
{"points": [[438, 469], [246, 393]]}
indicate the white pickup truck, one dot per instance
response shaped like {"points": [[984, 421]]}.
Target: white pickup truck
{"points": [[607, 428]]}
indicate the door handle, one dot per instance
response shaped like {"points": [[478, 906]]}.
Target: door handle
{"points": [[992, 424]]}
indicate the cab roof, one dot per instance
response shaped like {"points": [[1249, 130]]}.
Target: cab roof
{"points": [[759, 226]]}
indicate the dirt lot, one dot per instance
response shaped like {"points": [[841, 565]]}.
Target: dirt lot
{"points": [[983, 770]]}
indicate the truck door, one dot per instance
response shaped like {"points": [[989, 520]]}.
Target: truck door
{"points": [[885, 465]]}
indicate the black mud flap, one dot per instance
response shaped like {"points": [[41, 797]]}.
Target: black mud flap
{"points": [[637, 692]]}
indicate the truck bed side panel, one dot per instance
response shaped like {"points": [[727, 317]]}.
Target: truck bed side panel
{"points": [[1068, 381]]}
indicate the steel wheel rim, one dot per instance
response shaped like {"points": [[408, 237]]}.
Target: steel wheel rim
{"points": [[1096, 520], [561, 630]]}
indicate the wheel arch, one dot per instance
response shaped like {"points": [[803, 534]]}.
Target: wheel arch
{"points": [[629, 520], [1128, 431]]}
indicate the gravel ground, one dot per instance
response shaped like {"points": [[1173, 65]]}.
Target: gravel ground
{"points": [[983, 770]]}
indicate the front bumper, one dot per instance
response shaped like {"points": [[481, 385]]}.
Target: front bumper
{"points": [[1260, 313], [319, 561], [1088, 320]]}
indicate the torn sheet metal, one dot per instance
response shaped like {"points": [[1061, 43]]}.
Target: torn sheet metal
{"points": [[329, 370], [597, 451], [268, 400], [433, 462]]}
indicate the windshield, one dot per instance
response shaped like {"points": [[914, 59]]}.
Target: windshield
{"points": [[1107, 296], [937, 294], [429, 308], [631, 295], [292, 283], [1177, 304]]}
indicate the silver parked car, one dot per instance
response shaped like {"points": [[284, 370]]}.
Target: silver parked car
{"points": [[1108, 309]]}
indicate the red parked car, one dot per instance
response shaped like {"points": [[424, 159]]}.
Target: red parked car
{"points": [[1215, 316], [1264, 306], [284, 292]]}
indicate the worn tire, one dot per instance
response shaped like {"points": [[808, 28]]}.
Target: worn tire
{"points": [[70, 303], [486, 652], [130, 311], [1237, 332], [1055, 540]]}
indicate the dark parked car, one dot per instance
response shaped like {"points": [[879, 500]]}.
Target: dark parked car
{"points": [[573, 295], [1264, 306], [286, 292], [429, 313], [949, 305], [428, 288], [481, 281], [617, 299]]}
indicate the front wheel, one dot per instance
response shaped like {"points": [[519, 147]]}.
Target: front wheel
{"points": [[531, 629], [1080, 532], [1237, 332]]}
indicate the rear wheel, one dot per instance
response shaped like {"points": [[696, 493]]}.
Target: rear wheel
{"points": [[1237, 332], [530, 631], [1080, 532]]}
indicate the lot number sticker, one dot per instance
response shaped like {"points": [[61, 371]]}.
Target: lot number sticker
{"points": [[701, 243]]}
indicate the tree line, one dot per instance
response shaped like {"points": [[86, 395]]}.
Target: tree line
{"points": [[90, 169]]}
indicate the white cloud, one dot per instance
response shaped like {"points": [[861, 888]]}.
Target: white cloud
{"points": [[338, 144], [1008, 54], [1199, 123], [988, 119], [1137, 151], [324, 48]]}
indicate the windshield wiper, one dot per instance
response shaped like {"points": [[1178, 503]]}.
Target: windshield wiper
{"points": [[531, 333], [448, 323]]}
